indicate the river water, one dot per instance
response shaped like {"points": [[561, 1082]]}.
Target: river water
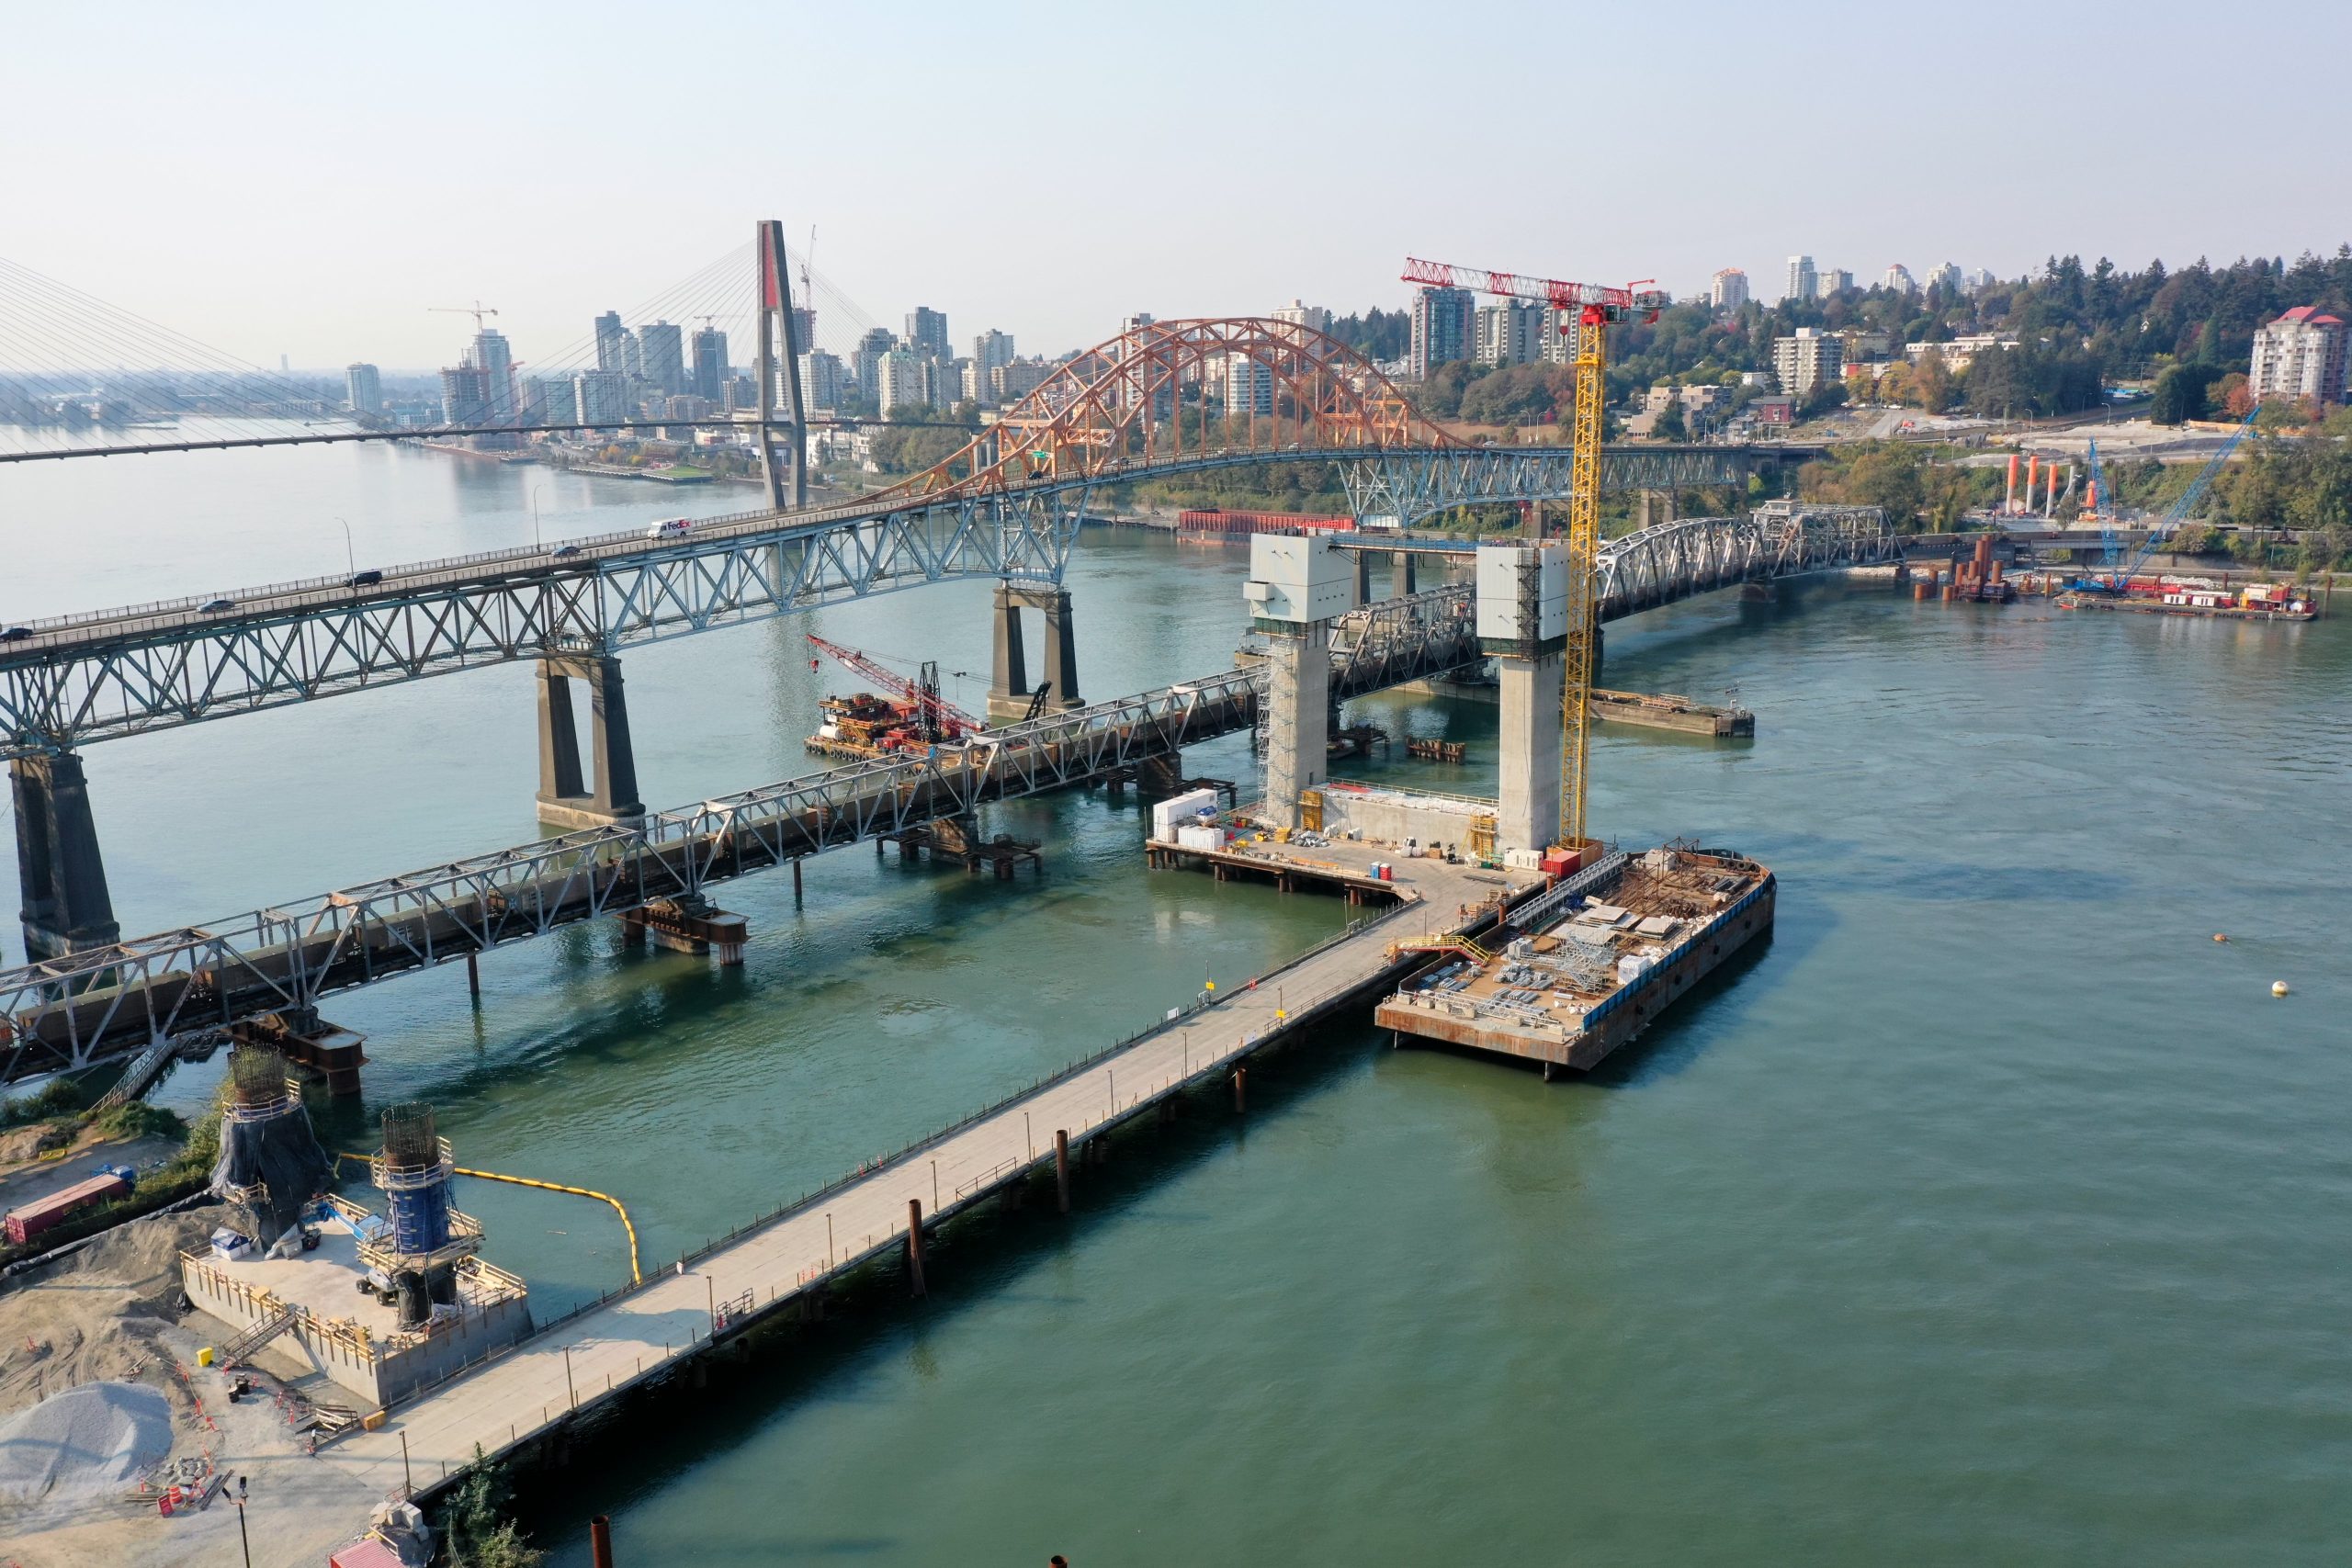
{"points": [[1995, 1213]]}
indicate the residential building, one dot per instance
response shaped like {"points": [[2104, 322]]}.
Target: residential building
{"points": [[1442, 329], [1860, 342], [609, 334], [1806, 360], [1298, 313], [803, 328], [363, 389], [821, 379], [491, 355], [1560, 333], [710, 364], [1249, 386], [899, 381], [1977, 281], [1804, 283], [1898, 279], [1729, 291], [465, 396], [1960, 350], [663, 350], [550, 399], [687, 406], [742, 392], [602, 395], [990, 349], [1511, 332], [1773, 410], [2301, 354], [1946, 277], [1837, 280], [865, 360], [943, 381], [632, 357], [1015, 381], [927, 333]]}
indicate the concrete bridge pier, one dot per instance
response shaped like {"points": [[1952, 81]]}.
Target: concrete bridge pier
{"points": [[1409, 571], [1009, 690], [1297, 587], [1527, 808], [66, 906], [1157, 778], [600, 788]]}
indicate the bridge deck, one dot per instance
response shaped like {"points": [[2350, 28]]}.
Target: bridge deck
{"points": [[649, 1332]]}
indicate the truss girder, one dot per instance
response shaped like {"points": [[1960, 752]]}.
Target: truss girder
{"points": [[159, 678], [177, 667], [114, 1002]]}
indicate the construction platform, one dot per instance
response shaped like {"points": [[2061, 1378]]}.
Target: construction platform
{"points": [[1581, 970], [316, 1306]]}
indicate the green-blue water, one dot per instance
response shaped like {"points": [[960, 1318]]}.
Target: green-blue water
{"points": [[1994, 1214]]}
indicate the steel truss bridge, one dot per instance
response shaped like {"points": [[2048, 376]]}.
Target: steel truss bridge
{"points": [[98, 676], [113, 1001]]}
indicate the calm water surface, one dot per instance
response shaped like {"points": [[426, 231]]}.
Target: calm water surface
{"points": [[1994, 1214]]}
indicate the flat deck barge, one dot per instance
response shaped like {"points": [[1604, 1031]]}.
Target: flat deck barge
{"points": [[1666, 711], [1588, 966]]}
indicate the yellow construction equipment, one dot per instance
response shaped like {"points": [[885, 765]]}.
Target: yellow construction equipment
{"points": [[1588, 309]]}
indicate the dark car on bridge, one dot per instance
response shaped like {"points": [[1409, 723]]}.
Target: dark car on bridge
{"points": [[16, 634], [367, 578], [214, 606]]}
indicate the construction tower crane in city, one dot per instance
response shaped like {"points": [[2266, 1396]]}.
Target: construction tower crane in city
{"points": [[1595, 308]]}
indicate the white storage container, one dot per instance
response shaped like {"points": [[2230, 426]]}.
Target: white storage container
{"points": [[1167, 814]]}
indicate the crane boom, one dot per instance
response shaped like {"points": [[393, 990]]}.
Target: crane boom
{"points": [[1596, 306], [939, 719], [2178, 512]]}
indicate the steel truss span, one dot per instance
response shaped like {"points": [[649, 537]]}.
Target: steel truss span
{"points": [[1675, 561], [115, 1001], [100, 676]]}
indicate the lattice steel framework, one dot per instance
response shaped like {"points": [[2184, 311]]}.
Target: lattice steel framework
{"points": [[1129, 398], [114, 1002]]}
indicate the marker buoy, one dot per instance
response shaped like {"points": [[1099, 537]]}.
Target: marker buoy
{"points": [[2278, 987], [2219, 937]]}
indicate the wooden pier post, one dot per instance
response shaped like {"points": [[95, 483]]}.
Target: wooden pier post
{"points": [[473, 975], [1240, 1091], [796, 879], [914, 1245], [600, 1542], [1061, 1167]]}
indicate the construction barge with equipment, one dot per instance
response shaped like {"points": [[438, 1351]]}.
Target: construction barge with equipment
{"points": [[1581, 970]]}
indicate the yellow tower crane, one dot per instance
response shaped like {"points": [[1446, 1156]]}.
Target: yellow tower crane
{"points": [[1587, 310]]}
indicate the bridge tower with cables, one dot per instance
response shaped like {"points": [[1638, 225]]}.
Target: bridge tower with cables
{"points": [[780, 352]]}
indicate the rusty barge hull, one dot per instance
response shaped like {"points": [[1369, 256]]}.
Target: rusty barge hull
{"points": [[1610, 1022]]}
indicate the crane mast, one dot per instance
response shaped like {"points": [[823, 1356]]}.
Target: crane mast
{"points": [[937, 718], [1597, 305]]}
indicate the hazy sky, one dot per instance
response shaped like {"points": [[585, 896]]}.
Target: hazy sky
{"points": [[307, 178]]}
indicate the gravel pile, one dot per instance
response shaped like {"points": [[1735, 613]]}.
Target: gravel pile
{"points": [[92, 1441]]}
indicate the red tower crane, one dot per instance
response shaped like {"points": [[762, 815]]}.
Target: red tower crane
{"points": [[932, 716]]}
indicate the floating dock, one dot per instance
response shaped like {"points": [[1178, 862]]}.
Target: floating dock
{"points": [[1586, 967]]}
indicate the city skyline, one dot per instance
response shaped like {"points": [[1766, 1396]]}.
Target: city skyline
{"points": [[343, 258]]}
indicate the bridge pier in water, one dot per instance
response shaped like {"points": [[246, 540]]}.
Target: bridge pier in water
{"points": [[568, 797], [1299, 715], [1009, 690], [66, 907]]}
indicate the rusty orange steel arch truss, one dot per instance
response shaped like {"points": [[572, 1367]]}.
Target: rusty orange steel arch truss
{"points": [[1126, 400]]}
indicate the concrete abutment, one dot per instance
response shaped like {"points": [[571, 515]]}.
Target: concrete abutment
{"points": [[1009, 689], [66, 907], [599, 787]]}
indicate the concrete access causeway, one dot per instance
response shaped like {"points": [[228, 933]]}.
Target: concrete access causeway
{"points": [[783, 1262]]}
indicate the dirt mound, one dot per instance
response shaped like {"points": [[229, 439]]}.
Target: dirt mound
{"points": [[94, 1315], [88, 1442]]}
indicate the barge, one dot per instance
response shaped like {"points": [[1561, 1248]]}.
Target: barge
{"points": [[2254, 601], [1668, 711], [1584, 968]]}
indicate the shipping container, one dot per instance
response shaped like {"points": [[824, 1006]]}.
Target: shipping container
{"points": [[28, 1221]]}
